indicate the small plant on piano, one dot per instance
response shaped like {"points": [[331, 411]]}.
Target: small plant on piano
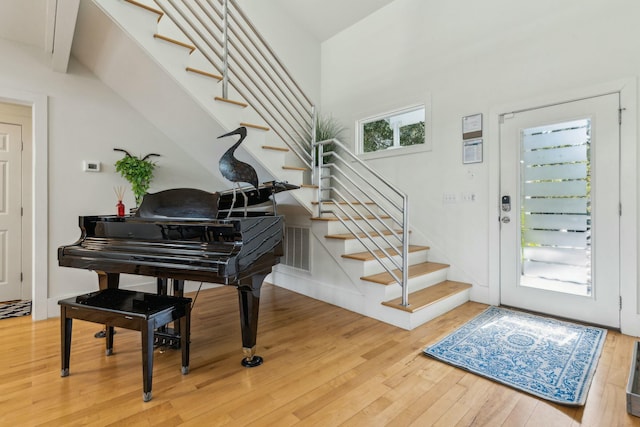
{"points": [[138, 171]]}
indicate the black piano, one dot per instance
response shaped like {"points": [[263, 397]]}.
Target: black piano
{"points": [[188, 234]]}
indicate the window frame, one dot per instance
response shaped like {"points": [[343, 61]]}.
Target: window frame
{"points": [[398, 150]]}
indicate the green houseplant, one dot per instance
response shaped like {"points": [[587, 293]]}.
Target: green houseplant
{"points": [[328, 128], [137, 171]]}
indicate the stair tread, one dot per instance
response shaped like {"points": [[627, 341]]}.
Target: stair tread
{"points": [[231, 101], [428, 296], [350, 236], [176, 42], [148, 8], [204, 73], [416, 270], [254, 126], [272, 147], [344, 203], [295, 168], [335, 218], [367, 256]]}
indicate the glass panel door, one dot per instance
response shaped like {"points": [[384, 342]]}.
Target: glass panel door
{"points": [[559, 233]]}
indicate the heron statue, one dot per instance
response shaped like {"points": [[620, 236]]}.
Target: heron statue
{"points": [[236, 171]]}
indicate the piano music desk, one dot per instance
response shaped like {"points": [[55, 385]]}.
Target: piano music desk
{"points": [[127, 309]]}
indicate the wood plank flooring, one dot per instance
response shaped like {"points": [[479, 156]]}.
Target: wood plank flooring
{"points": [[323, 366]]}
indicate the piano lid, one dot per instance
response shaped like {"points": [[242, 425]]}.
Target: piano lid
{"points": [[197, 205], [179, 203]]}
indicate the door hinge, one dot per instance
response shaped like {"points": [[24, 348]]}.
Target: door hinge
{"points": [[619, 209], [620, 298], [620, 110], [21, 211], [21, 276]]}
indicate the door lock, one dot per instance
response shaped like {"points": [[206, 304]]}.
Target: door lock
{"points": [[506, 203], [505, 219]]}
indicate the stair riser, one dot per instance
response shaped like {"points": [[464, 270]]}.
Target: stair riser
{"points": [[415, 284], [253, 144], [353, 245], [353, 210], [325, 227], [410, 321], [437, 309], [374, 267], [291, 176], [357, 268], [145, 21]]}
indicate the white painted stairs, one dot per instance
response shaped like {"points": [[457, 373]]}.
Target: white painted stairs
{"points": [[355, 280]]}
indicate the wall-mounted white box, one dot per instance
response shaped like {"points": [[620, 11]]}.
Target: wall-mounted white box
{"points": [[91, 166]]}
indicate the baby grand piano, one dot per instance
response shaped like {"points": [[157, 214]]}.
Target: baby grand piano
{"points": [[185, 234]]}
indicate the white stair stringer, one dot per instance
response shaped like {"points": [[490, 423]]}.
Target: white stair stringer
{"points": [[140, 25], [343, 286]]}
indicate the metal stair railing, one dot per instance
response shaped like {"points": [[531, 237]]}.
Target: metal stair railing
{"points": [[228, 40], [346, 181]]}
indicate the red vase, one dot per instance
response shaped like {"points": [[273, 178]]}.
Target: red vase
{"points": [[120, 207]]}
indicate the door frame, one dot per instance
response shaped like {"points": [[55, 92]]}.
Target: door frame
{"points": [[39, 210], [629, 317]]}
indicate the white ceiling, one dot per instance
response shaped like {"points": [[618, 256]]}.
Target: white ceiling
{"points": [[326, 18], [31, 21]]}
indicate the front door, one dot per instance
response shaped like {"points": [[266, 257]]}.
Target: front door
{"points": [[560, 210], [10, 212]]}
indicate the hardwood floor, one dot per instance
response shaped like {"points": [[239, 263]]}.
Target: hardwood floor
{"points": [[323, 366]]}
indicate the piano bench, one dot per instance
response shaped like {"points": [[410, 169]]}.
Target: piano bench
{"points": [[126, 309]]}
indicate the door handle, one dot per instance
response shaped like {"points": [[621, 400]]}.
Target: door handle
{"points": [[505, 219]]}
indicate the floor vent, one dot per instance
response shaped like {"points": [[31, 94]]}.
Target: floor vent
{"points": [[297, 252]]}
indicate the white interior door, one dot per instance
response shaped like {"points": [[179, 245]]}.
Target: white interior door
{"points": [[10, 211], [559, 232]]}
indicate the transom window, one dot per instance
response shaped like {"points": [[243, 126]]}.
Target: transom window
{"points": [[391, 131]]}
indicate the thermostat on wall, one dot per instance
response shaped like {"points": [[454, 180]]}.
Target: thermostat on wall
{"points": [[90, 166]]}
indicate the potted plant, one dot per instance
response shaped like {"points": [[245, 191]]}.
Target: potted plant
{"points": [[138, 171], [328, 128]]}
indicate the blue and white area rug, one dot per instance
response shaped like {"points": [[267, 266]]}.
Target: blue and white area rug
{"points": [[15, 309], [548, 358]]}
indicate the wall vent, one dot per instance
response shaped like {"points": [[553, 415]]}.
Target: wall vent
{"points": [[297, 250]]}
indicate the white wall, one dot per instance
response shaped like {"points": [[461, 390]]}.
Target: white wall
{"points": [[294, 46], [470, 57], [86, 120]]}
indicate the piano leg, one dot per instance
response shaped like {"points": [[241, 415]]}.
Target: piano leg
{"points": [[249, 296], [108, 280], [66, 324]]}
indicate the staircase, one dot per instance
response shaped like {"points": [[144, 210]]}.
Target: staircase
{"points": [[359, 227]]}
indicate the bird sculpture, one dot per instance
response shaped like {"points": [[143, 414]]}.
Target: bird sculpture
{"points": [[236, 171]]}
